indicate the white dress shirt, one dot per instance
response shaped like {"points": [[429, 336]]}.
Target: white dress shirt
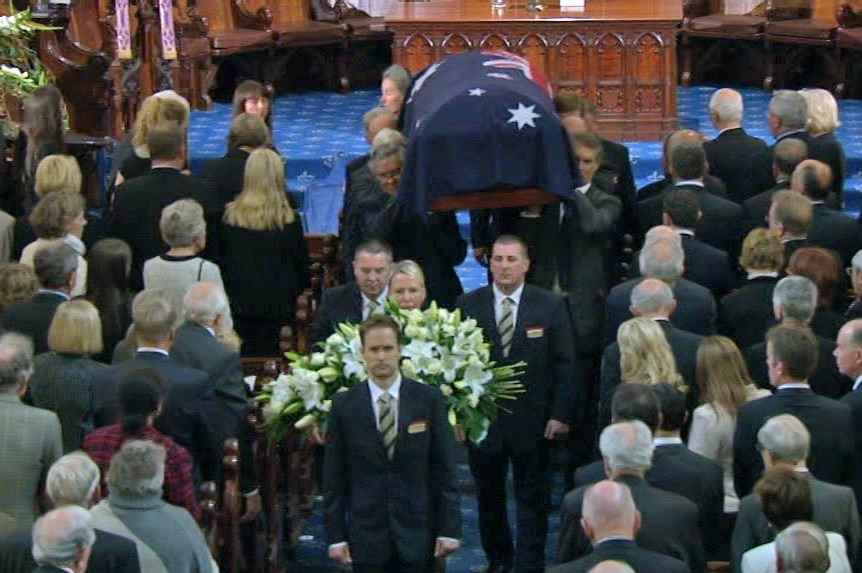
{"points": [[857, 382], [377, 392], [499, 296]]}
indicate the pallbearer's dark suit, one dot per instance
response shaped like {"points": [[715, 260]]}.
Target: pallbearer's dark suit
{"points": [[395, 509], [543, 339]]}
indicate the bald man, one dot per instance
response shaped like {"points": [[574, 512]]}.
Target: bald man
{"points": [[830, 228], [740, 160], [713, 184], [610, 520]]}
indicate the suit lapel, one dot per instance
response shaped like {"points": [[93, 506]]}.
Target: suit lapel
{"points": [[525, 304], [368, 417], [405, 416], [356, 306], [485, 317]]}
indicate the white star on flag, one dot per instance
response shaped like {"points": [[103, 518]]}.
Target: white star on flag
{"points": [[476, 92], [523, 116]]}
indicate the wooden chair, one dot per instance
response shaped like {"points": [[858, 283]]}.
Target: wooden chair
{"points": [[790, 45], [230, 548], [296, 31], [323, 250], [705, 23], [848, 47]]}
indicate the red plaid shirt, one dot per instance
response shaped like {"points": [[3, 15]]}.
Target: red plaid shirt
{"points": [[179, 488]]}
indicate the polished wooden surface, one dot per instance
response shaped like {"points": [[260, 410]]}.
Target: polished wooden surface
{"points": [[590, 10], [621, 54]]}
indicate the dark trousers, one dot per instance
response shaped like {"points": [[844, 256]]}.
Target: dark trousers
{"points": [[532, 496], [395, 565], [580, 440]]}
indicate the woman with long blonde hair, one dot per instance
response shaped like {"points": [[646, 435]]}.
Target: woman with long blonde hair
{"points": [[725, 385], [645, 354], [264, 254]]}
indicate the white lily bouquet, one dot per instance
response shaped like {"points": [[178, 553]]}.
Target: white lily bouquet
{"points": [[440, 348]]}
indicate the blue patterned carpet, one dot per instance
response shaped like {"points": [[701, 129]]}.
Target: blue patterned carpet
{"points": [[319, 133]]}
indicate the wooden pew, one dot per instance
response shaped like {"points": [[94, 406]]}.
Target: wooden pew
{"points": [[323, 250], [230, 549]]}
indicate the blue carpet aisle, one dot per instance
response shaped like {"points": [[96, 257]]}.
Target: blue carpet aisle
{"points": [[318, 133]]}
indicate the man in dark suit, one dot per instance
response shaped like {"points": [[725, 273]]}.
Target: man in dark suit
{"points": [[611, 521], [356, 301], [662, 258], [390, 490], [793, 301], [522, 322], [138, 203], [73, 480], [654, 299], [848, 357], [196, 345], [190, 411], [669, 521], [788, 154], [56, 268], [830, 228], [704, 264], [790, 216], [720, 224], [362, 193], [55, 532], [791, 354], [785, 440], [712, 184], [747, 313], [787, 117], [738, 159]]}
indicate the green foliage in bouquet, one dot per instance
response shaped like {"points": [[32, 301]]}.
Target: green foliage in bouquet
{"points": [[20, 70], [440, 348]]}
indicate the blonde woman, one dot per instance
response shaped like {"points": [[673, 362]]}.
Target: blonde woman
{"points": [[407, 285], [641, 355], [17, 283], [60, 217], [725, 385], [824, 145], [62, 378], [264, 255]]}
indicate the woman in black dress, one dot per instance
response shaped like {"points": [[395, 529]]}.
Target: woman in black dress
{"points": [[264, 255]]}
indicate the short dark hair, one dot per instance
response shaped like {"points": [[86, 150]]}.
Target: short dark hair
{"points": [[376, 321], [672, 404], [682, 206], [507, 239], [373, 247], [785, 496], [138, 394], [590, 141], [165, 140], [688, 161], [54, 264], [636, 402], [789, 152], [796, 347]]}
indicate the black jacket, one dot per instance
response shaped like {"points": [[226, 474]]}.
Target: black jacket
{"points": [[745, 315], [741, 161], [641, 560], [826, 380], [704, 264], [33, 318], [227, 174]]}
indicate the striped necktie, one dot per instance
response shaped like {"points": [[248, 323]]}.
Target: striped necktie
{"points": [[506, 326], [372, 308], [386, 419]]}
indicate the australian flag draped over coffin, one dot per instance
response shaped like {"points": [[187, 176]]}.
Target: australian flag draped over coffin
{"points": [[482, 120]]}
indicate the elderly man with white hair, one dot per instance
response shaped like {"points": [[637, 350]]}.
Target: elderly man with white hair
{"points": [[72, 481], [167, 537], [669, 522], [611, 521], [196, 345], [740, 160], [802, 548], [784, 440], [663, 258], [62, 540]]}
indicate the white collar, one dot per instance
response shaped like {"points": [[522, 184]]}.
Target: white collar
{"points": [[794, 386], [583, 188], [695, 182], [76, 244], [758, 274], [667, 441], [153, 349], [613, 538], [727, 129], [857, 382], [686, 232], [210, 330], [65, 295], [817, 202], [784, 134], [788, 239], [380, 298], [377, 391], [500, 295]]}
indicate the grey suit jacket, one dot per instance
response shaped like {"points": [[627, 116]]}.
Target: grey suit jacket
{"points": [[31, 443], [834, 510]]}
